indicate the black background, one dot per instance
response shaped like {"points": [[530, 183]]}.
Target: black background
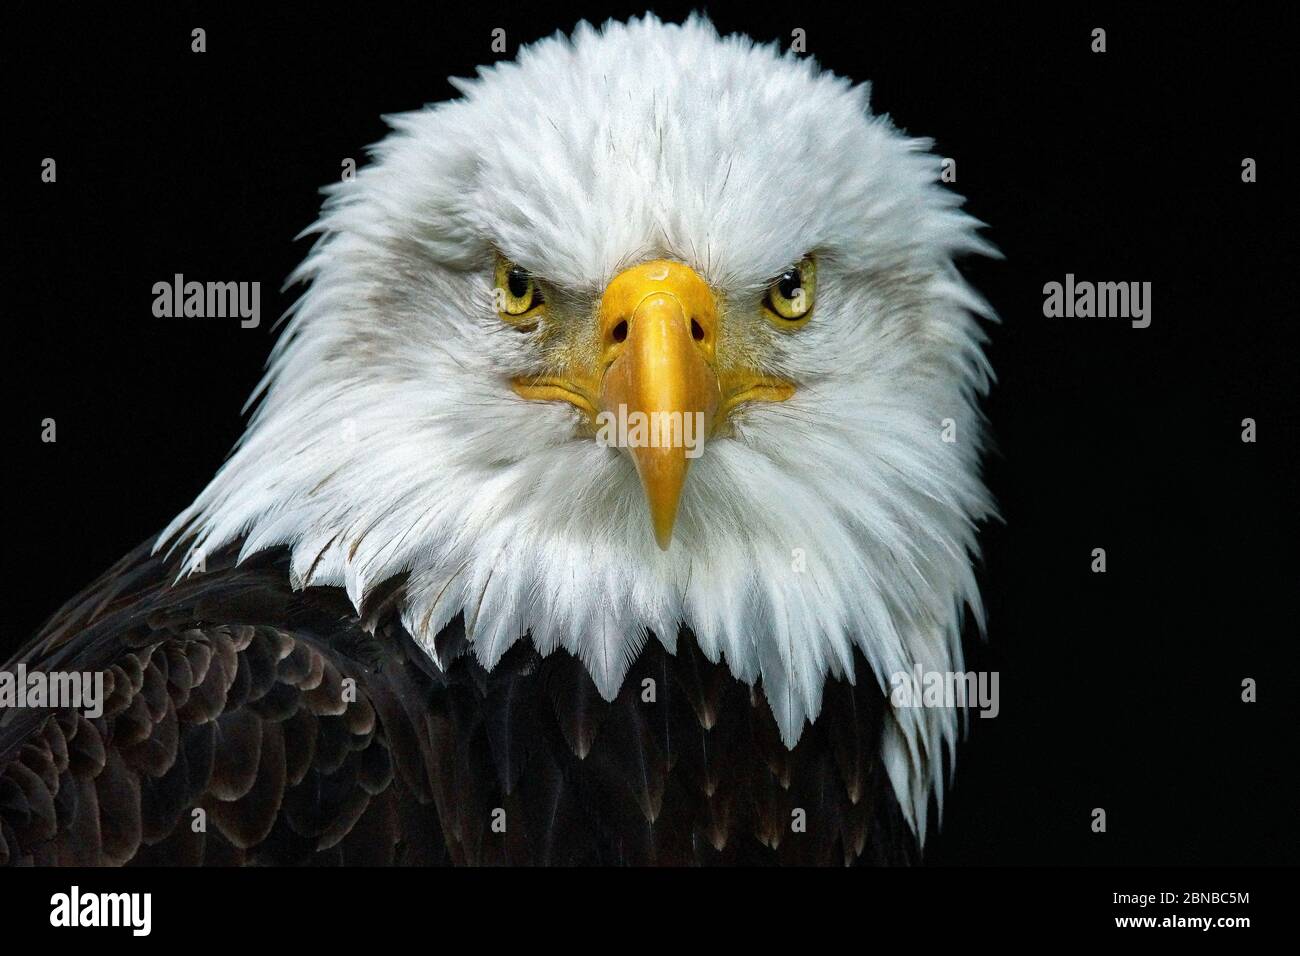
{"points": [[1119, 690]]}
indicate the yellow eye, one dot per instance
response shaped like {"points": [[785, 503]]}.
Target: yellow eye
{"points": [[517, 293], [790, 298]]}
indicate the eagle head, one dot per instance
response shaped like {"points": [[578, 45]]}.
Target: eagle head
{"points": [[650, 329]]}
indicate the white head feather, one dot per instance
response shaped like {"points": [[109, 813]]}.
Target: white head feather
{"points": [[388, 439]]}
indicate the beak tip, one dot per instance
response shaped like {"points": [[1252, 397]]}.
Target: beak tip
{"points": [[664, 533]]}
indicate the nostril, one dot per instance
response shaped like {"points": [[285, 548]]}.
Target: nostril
{"points": [[697, 333], [619, 332]]}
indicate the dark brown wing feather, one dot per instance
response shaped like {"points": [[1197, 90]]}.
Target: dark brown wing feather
{"points": [[305, 733]]}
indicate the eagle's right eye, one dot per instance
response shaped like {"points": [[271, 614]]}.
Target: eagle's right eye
{"points": [[518, 295], [789, 300]]}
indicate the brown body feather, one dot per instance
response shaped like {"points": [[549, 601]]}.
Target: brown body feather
{"points": [[225, 692]]}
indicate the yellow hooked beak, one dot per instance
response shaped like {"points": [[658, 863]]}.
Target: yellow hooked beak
{"points": [[658, 329], [656, 382]]}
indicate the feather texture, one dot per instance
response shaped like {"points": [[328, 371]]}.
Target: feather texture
{"points": [[239, 717]]}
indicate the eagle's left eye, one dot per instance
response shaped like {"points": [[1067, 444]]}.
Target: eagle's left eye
{"points": [[789, 300], [517, 293]]}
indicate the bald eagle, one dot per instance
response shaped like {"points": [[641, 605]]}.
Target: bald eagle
{"points": [[623, 444]]}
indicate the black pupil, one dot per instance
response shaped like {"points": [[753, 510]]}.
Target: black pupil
{"points": [[517, 283], [789, 284]]}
